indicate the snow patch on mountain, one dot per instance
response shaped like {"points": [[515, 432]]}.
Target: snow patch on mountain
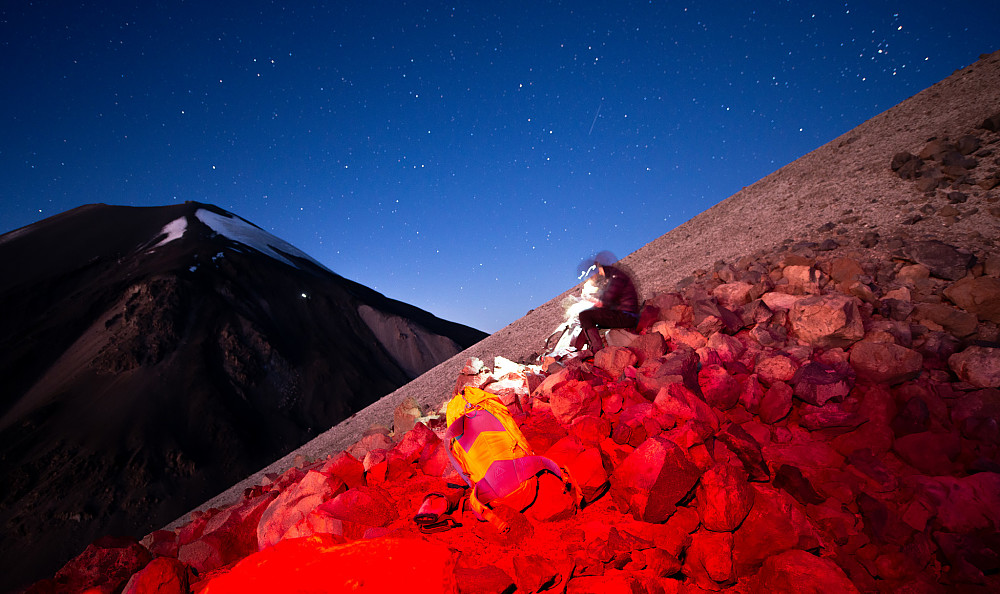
{"points": [[173, 230], [254, 237]]}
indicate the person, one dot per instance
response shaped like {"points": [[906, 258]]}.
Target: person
{"points": [[616, 305]]}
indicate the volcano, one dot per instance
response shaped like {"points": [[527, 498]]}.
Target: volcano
{"points": [[154, 356]]}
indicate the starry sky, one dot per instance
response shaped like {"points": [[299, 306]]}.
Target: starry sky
{"points": [[463, 156]]}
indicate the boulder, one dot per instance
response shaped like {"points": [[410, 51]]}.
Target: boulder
{"points": [[647, 347], [405, 415], [614, 360], [590, 430], [709, 560], [961, 505], [931, 453], [942, 260], [162, 575], [679, 402], [721, 390], [776, 404], [724, 496], [323, 564], [978, 365], [796, 571], [977, 295], [574, 399], [885, 363], [293, 505], [817, 383], [827, 321], [751, 394], [733, 295], [360, 508], [485, 578], [775, 524], [747, 450], [776, 368], [955, 321], [653, 479], [107, 563]]}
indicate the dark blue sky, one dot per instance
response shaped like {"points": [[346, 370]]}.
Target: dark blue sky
{"points": [[463, 157]]}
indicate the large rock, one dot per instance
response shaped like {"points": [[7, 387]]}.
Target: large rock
{"points": [[776, 404], [294, 504], [774, 525], [955, 321], [574, 399], [163, 575], [882, 362], [817, 382], [709, 560], [827, 321], [322, 564], [724, 497], [653, 479], [797, 571], [720, 389], [930, 453], [961, 505], [978, 365], [107, 563], [977, 295], [941, 259]]}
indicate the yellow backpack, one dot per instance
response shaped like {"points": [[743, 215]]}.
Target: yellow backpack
{"points": [[495, 459]]}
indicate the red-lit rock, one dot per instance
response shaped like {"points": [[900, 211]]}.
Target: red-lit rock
{"points": [[721, 389], [162, 575], [534, 573], [360, 508], [777, 403], [931, 453], [709, 560], [776, 368], [978, 365], [817, 383], [345, 467], [747, 450], [827, 320], [651, 481], [775, 524], [574, 399], [647, 347], [107, 563], [485, 578], [885, 363], [294, 505], [584, 464], [161, 543], [321, 564], [614, 360], [797, 571], [590, 429], [725, 497], [751, 394], [681, 403], [962, 505]]}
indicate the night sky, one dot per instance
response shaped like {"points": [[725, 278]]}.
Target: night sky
{"points": [[462, 157]]}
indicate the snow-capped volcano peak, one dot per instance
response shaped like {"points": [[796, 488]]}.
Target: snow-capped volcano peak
{"points": [[240, 231]]}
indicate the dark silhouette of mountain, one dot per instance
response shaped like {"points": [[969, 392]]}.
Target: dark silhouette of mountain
{"points": [[152, 357]]}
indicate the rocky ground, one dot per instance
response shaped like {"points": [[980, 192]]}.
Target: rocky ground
{"points": [[821, 418], [818, 411]]}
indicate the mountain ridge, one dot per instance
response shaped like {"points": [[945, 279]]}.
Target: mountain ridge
{"points": [[154, 361]]}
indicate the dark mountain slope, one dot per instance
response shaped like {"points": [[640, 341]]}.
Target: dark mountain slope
{"points": [[153, 356]]}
